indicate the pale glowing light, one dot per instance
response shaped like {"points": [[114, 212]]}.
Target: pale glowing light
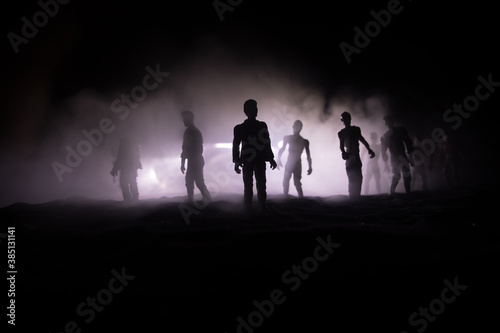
{"points": [[280, 144], [224, 145], [160, 177], [152, 175]]}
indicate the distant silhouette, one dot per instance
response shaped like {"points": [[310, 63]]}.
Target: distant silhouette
{"points": [[349, 138], [452, 162], [420, 170], [372, 165], [294, 163], [192, 151], [395, 140], [127, 163], [253, 136]]}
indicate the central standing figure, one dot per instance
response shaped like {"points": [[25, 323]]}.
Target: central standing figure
{"points": [[349, 138], [253, 136]]}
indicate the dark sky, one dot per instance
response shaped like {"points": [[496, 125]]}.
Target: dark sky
{"points": [[102, 43], [427, 58]]}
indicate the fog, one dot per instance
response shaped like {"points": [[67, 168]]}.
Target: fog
{"points": [[213, 81]]}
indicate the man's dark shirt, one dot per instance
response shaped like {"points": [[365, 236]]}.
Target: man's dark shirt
{"points": [[351, 136], [192, 143], [256, 144], [395, 140]]}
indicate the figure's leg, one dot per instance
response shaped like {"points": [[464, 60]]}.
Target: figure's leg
{"points": [[406, 177], [350, 180], [189, 182], [297, 176], [260, 179], [248, 183], [376, 177], [368, 178], [134, 190], [298, 185], [407, 184], [286, 181], [200, 181], [396, 176], [125, 186], [355, 181], [353, 169], [126, 193], [415, 177], [348, 173], [359, 181]]}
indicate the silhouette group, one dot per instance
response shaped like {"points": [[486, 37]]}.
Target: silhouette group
{"points": [[251, 151]]}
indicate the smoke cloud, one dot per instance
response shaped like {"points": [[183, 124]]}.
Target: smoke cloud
{"points": [[76, 154]]}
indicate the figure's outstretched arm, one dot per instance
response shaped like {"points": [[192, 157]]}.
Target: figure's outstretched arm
{"points": [[183, 164], [236, 150], [184, 150], [114, 170], [266, 140], [367, 145], [282, 149], [345, 155], [118, 162], [409, 146], [309, 159], [408, 142]]}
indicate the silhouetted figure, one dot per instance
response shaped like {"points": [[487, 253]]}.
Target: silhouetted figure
{"points": [[396, 139], [420, 169], [372, 165], [127, 163], [453, 160], [293, 164], [192, 151], [255, 152], [349, 137]]}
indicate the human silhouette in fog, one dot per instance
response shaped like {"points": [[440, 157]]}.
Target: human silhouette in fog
{"points": [[372, 166], [399, 144], [452, 162], [297, 144], [192, 151], [420, 170], [349, 137], [126, 164], [253, 136]]}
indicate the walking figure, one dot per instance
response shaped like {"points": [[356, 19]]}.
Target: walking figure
{"points": [[297, 144], [395, 140], [420, 170], [253, 136], [192, 151], [127, 162], [349, 137], [452, 164]]}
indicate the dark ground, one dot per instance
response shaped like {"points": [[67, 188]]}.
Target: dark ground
{"points": [[394, 255]]}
